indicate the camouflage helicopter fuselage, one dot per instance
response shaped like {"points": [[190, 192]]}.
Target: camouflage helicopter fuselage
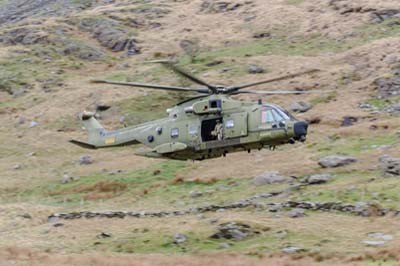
{"points": [[187, 132]]}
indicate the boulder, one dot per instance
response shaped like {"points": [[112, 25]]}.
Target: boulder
{"points": [[66, 179], [296, 213], [348, 121], [103, 235], [180, 238], [271, 178], [195, 194], [85, 160], [300, 107], [254, 69], [291, 250], [336, 161], [373, 243], [390, 166], [317, 179], [233, 230]]}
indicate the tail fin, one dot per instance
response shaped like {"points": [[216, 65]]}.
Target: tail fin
{"points": [[93, 128], [91, 124]]}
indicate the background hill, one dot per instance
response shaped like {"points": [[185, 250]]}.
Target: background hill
{"points": [[50, 49]]}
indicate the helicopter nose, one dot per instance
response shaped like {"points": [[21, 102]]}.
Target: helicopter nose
{"points": [[300, 130]]}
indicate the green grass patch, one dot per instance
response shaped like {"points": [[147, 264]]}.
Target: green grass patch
{"points": [[146, 108], [294, 2], [280, 44], [381, 104], [354, 145], [160, 240]]}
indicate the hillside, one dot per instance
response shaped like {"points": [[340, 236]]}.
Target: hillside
{"points": [[51, 49]]}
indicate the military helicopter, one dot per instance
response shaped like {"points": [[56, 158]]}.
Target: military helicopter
{"points": [[209, 125]]}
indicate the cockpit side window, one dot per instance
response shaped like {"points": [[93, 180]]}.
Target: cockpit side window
{"points": [[267, 116], [277, 115]]}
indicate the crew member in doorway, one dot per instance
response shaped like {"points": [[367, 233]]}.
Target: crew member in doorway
{"points": [[218, 131]]}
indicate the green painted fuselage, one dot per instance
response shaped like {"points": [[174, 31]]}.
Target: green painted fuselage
{"points": [[187, 131]]}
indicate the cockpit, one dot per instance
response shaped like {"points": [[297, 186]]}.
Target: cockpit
{"points": [[273, 113]]}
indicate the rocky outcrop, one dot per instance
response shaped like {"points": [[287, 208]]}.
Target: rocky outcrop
{"points": [[390, 166], [219, 6], [300, 107], [234, 231], [317, 179], [336, 161], [387, 87], [109, 34], [58, 37], [270, 178], [382, 15]]}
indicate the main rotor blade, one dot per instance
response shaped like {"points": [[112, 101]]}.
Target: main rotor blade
{"points": [[188, 75], [236, 88], [151, 86], [280, 92]]}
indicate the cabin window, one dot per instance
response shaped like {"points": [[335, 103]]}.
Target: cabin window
{"points": [[192, 130], [159, 130], [229, 124], [266, 116], [174, 132], [215, 104]]}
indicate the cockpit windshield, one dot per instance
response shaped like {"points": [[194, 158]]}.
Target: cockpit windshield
{"points": [[272, 113]]}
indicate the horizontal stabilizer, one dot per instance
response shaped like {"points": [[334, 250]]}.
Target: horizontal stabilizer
{"points": [[83, 144]]}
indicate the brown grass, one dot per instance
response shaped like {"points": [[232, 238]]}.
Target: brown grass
{"points": [[100, 187], [21, 256]]}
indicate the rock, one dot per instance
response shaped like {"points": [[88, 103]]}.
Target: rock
{"points": [[253, 69], [390, 166], [213, 220], [291, 250], [296, 213], [103, 235], [25, 215], [195, 194], [382, 236], [300, 107], [336, 161], [180, 238], [270, 178], [224, 245], [281, 234], [33, 124], [20, 120], [317, 179], [393, 109], [233, 230], [349, 121], [218, 6], [100, 107], [391, 59], [17, 167], [66, 179], [373, 243], [58, 225], [85, 160], [262, 35], [382, 15], [387, 87]]}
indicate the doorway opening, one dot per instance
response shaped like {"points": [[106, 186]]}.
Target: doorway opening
{"points": [[207, 127]]}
